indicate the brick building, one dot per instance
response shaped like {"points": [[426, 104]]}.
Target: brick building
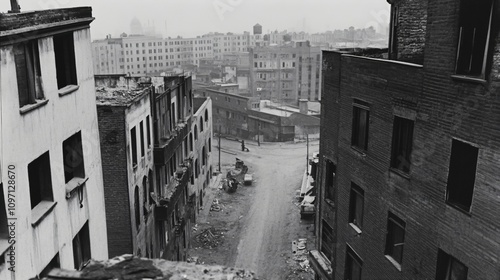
{"points": [[408, 180], [50, 143], [124, 111]]}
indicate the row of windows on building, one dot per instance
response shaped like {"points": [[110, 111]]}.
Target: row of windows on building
{"points": [[169, 43], [261, 64], [144, 140], [462, 165], [447, 267], [28, 69]]}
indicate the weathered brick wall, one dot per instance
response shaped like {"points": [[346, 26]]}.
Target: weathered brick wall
{"points": [[114, 165], [469, 111], [411, 25], [445, 108], [385, 85]]}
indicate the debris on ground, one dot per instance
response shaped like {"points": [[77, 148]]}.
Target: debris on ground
{"points": [[216, 205], [299, 250], [210, 238]]}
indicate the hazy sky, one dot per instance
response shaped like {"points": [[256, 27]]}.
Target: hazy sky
{"points": [[189, 18]]}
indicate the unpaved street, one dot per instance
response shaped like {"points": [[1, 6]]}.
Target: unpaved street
{"points": [[261, 221]]}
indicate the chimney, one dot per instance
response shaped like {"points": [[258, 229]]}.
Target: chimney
{"points": [[303, 106], [14, 6]]}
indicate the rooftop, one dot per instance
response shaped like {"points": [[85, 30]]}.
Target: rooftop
{"points": [[119, 90]]}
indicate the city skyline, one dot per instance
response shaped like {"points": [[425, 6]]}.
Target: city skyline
{"points": [[223, 16]]}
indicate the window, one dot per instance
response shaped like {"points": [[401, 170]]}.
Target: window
{"points": [[474, 36], [353, 265], [356, 205], [141, 127], [204, 156], [64, 51], [29, 75], [331, 169], [196, 168], [40, 180], [209, 144], [148, 131], [395, 239], [4, 231], [360, 119], [461, 175], [54, 263], [81, 247], [73, 158], [195, 133], [402, 138], [327, 240], [201, 124], [136, 207], [134, 147], [449, 268]]}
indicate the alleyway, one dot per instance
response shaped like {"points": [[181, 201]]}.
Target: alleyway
{"points": [[254, 228]]}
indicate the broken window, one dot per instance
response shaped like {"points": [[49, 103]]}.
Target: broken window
{"points": [[73, 157], [356, 205], [474, 36], [330, 170], [137, 207], [64, 51], [134, 146], [29, 76], [449, 268], [148, 131], [40, 180], [81, 247], [360, 120], [327, 240], [402, 139], [353, 265], [141, 135], [461, 175], [395, 238]]}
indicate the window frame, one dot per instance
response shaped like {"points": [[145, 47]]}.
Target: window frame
{"points": [[351, 257], [28, 72], [65, 60], [326, 248], [356, 193], [402, 144], [358, 107], [447, 260], [394, 221]]}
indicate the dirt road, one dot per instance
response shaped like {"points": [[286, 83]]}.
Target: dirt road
{"points": [[260, 222]]}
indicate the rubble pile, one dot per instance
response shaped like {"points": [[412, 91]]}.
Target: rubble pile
{"points": [[216, 206], [210, 238]]}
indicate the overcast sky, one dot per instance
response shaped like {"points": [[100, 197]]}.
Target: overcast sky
{"points": [[189, 18]]}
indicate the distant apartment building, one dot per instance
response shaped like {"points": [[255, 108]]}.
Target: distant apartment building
{"points": [[50, 143], [124, 111], [286, 73], [409, 151], [249, 118], [141, 55]]}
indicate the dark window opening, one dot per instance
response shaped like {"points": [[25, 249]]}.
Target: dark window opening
{"points": [[74, 166], [331, 169], [141, 135], [474, 35], [209, 144], [195, 132], [148, 131], [327, 240], [136, 207], [449, 268], [134, 146], [203, 156], [29, 75], [356, 205], [395, 238], [201, 124], [54, 263], [353, 265], [4, 232], [461, 175], [64, 51], [402, 140], [145, 198], [81, 247], [360, 123], [40, 180], [151, 187], [196, 169]]}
